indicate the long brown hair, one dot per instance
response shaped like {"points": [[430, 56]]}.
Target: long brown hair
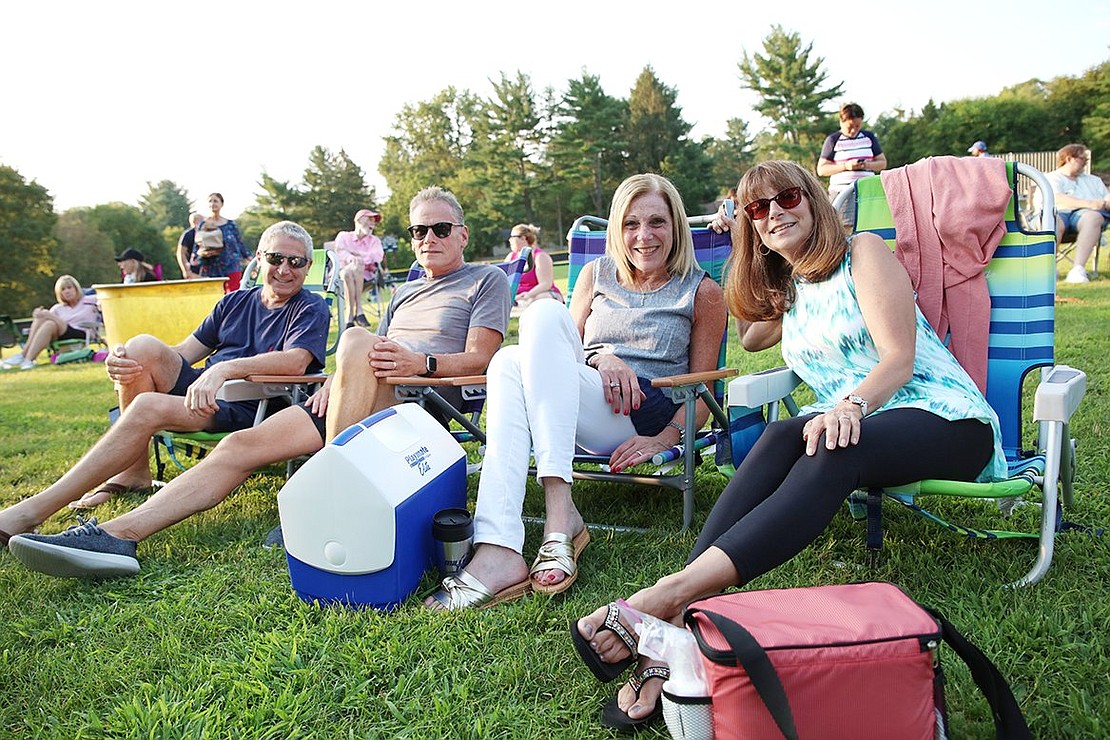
{"points": [[760, 283]]}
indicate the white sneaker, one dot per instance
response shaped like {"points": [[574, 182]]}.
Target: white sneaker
{"points": [[27, 365], [1077, 274], [12, 361]]}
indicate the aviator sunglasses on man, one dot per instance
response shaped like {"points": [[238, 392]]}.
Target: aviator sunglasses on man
{"points": [[276, 258], [757, 210], [441, 230]]}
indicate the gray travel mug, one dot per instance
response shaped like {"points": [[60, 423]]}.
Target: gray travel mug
{"points": [[453, 532]]}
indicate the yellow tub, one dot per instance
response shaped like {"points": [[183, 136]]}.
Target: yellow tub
{"points": [[169, 310]]}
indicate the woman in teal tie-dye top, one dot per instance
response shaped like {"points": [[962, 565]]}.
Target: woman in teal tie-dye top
{"points": [[893, 406]]}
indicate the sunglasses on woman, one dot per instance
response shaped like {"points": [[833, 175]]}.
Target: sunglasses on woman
{"points": [[276, 258], [757, 210], [441, 230]]}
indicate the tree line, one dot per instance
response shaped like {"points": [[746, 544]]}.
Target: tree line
{"points": [[546, 157]]}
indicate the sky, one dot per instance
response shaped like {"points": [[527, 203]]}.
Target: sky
{"points": [[103, 98]]}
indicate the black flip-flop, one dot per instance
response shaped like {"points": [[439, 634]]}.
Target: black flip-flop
{"points": [[613, 716], [4, 537], [603, 671]]}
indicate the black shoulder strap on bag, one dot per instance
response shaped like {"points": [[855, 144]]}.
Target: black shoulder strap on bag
{"points": [[754, 660], [1009, 724]]}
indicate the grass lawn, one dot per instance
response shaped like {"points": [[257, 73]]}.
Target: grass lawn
{"points": [[210, 641]]}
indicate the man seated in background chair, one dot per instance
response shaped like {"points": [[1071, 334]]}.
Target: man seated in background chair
{"points": [[276, 328], [449, 322], [1082, 206]]}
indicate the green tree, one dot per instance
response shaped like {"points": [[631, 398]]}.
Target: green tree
{"points": [[499, 172], [86, 252], [126, 226], [587, 150], [731, 156], [325, 202], [334, 189], [26, 222], [658, 140], [427, 147], [166, 204], [791, 95]]}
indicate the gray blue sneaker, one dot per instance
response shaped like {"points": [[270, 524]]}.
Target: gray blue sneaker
{"points": [[82, 551]]}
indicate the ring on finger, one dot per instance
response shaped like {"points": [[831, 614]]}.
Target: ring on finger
{"points": [[614, 384]]}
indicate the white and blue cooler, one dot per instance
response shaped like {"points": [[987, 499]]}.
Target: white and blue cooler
{"points": [[357, 517]]}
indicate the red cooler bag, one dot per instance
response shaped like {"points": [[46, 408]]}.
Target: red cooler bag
{"points": [[848, 661]]}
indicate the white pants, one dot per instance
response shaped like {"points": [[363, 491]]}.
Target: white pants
{"points": [[542, 399]]}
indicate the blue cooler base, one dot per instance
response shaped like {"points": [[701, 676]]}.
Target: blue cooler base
{"points": [[413, 552]]}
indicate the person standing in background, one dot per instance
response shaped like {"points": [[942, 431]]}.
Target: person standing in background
{"points": [[851, 153], [979, 149], [219, 246], [187, 245]]}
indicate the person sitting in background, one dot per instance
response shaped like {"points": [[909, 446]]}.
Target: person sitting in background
{"points": [[582, 378], [979, 149], [277, 328], [135, 268], [539, 281], [61, 321], [361, 256], [884, 385], [448, 322], [186, 245], [1082, 205], [851, 153], [219, 250]]}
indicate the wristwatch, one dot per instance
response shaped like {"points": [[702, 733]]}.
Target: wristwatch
{"points": [[430, 366], [857, 400]]}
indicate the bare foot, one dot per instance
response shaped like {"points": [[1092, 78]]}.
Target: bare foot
{"points": [[605, 642], [638, 706], [104, 494]]}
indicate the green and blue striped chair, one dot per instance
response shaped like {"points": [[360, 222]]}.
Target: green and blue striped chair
{"points": [[1021, 281]]}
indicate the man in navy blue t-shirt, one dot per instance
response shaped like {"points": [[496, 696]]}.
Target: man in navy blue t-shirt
{"points": [[277, 328]]}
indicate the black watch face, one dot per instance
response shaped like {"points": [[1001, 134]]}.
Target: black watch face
{"points": [[431, 364]]}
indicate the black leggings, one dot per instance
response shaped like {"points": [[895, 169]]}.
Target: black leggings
{"points": [[781, 499]]}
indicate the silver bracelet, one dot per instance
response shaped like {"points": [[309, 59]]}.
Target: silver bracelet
{"points": [[681, 430]]}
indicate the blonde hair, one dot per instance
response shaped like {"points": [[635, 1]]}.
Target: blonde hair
{"points": [[1069, 151], [62, 282], [530, 233], [760, 282], [681, 259]]}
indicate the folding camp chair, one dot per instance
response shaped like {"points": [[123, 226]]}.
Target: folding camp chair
{"points": [[587, 243], [323, 277], [80, 350], [1021, 281], [472, 387]]}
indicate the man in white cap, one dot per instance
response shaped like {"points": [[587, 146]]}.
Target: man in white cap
{"points": [[978, 149], [361, 256]]}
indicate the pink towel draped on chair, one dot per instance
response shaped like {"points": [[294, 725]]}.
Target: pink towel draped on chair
{"points": [[949, 216]]}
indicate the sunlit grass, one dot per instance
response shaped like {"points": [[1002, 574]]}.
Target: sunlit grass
{"points": [[210, 641]]}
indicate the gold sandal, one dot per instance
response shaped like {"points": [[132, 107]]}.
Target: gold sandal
{"points": [[464, 591], [559, 552]]}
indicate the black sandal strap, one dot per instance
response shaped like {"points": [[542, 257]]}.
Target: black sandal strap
{"points": [[636, 680]]}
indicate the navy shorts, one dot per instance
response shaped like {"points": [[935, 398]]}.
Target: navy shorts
{"points": [[654, 413], [317, 420], [231, 416], [71, 332]]}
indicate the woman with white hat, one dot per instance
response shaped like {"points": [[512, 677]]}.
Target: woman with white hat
{"points": [[361, 255]]}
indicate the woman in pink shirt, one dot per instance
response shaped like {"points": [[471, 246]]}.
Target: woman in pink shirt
{"points": [[360, 257], [60, 322]]}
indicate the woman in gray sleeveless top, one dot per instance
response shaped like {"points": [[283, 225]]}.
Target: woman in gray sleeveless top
{"points": [[583, 377]]}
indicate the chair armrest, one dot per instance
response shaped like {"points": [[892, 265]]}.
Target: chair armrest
{"points": [[673, 381], [1059, 393], [259, 387], [455, 382], [760, 389]]}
